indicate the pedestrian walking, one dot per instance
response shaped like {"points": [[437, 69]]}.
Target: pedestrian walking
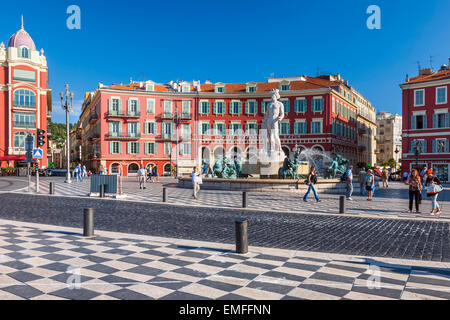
{"points": [[385, 178], [84, 171], [434, 187], [349, 182], [370, 184], [405, 176], [415, 188], [78, 173], [362, 181], [155, 174], [149, 173], [105, 171], [142, 178], [196, 182], [311, 181]]}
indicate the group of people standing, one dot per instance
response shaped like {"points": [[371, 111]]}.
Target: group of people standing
{"points": [[145, 175], [81, 172], [426, 180]]}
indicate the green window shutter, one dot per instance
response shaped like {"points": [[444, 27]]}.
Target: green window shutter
{"points": [[120, 147], [138, 107], [146, 148], [128, 148], [110, 105], [111, 148], [129, 107], [247, 107], [215, 108], [322, 104], [138, 129]]}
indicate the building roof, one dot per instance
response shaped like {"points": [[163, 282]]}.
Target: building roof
{"points": [[443, 73], [307, 84], [21, 38]]}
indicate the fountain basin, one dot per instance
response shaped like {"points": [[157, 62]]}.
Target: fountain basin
{"points": [[269, 185]]}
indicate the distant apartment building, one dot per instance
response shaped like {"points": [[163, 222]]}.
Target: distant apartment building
{"points": [[426, 121], [25, 97], [124, 127], [389, 137]]}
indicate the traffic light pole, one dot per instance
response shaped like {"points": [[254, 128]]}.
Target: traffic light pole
{"points": [[37, 175], [29, 176]]}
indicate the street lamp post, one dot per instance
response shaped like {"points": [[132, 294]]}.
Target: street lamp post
{"points": [[67, 106], [177, 119], [396, 157], [417, 153]]}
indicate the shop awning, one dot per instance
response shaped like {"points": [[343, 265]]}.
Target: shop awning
{"points": [[13, 158]]}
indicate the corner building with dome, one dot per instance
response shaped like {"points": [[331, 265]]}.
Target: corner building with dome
{"points": [[25, 97]]}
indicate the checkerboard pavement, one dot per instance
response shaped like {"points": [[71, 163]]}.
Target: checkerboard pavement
{"points": [[41, 262], [388, 203]]}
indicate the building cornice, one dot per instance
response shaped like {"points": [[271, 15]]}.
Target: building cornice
{"points": [[425, 84]]}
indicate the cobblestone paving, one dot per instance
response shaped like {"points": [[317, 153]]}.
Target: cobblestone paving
{"points": [[396, 238], [388, 203], [39, 262]]}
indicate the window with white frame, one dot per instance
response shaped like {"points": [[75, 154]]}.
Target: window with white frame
{"points": [[219, 128], [316, 127], [236, 107], [204, 128], [220, 89], [168, 107], [419, 97], [24, 98], [186, 107], [287, 105], [219, 107], [151, 106], [300, 127], [133, 129], [204, 107], [251, 89], [151, 127], [441, 120], [419, 121], [185, 149], [301, 105], [167, 148], [133, 107], [24, 52], [285, 128], [20, 140], [115, 129], [150, 148], [149, 87], [186, 130], [264, 106], [24, 120], [133, 147], [285, 87], [186, 88], [251, 107], [115, 107], [251, 128], [440, 146], [318, 104], [235, 128], [115, 147], [441, 95]]}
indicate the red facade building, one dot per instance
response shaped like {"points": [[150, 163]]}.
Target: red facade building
{"points": [[426, 122], [127, 126], [25, 100]]}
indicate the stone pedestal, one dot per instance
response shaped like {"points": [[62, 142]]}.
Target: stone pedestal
{"points": [[263, 170]]}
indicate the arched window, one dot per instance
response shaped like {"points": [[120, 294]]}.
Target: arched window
{"points": [[19, 140], [24, 52], [133, 168], [115, 167], [24, 98]]}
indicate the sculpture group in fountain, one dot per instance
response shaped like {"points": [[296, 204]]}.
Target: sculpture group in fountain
{"points": [[272, 151], [290, 168], [225, 168], [338, 166]]}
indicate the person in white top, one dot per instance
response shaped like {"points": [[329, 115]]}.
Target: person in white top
{"points": [[196, 181], [142, 175]]}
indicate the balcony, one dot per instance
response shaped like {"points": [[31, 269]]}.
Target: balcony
{"points": [[25, 125], [123, 136], [186, 116], [168, 136], [167, 115], [132, 115]]}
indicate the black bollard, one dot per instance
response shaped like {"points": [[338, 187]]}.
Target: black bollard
{"points": [[244, 200], [51, 188], [241, 236], [164, 195], [342, 208], [88, 230], [102, 191]]}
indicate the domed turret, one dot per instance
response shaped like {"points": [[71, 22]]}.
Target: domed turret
{"points": [[21, 38]]}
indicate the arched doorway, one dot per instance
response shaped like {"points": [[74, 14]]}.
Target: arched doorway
{"points": [[206, 155], [236, 152], [167, 169], [115, 168], [133, 170], [219, 153], [252, 155]]}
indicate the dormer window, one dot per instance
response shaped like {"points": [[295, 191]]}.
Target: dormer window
{"points": [[251, 89], [186, 88], [149, 87], [285, 86], [220, 89], [24, 52]]}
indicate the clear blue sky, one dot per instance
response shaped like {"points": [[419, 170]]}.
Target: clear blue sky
{"points": [[234, 41]]}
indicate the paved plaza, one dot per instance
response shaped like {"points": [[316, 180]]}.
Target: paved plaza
{"points": [[47, 262], [145, 249], [388, 203]]}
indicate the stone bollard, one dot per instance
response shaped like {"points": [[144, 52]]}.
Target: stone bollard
{"points": [[164, 195], [102, 191], [88, 223], [241, 236], [51, 188], [342, 208], [244, 200]]}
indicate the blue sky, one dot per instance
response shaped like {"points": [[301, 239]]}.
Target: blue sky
{"points": [[234, 41]]}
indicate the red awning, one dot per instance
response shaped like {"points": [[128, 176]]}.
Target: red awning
{"points": [[13, 158]]}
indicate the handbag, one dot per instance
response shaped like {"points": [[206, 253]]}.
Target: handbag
{"points": [[439, 188], [432, 190]]}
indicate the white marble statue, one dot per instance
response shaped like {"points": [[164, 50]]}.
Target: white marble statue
{"points": [[270, 126]]}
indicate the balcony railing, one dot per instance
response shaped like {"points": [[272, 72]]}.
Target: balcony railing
{"points": [[167, 115], [19, 124], [123, 136], [119, 114], [186, 116], [168, 136]]}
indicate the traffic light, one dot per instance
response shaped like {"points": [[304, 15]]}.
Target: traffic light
{"points": [[40, 137]]}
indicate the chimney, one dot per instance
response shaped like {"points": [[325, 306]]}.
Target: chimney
{"points": [[407, 78], [207, 81]]}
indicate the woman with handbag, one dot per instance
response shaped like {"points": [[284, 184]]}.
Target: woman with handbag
{"points": [[312, 180], [370, 184], [434, 187], [415, 188]]}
